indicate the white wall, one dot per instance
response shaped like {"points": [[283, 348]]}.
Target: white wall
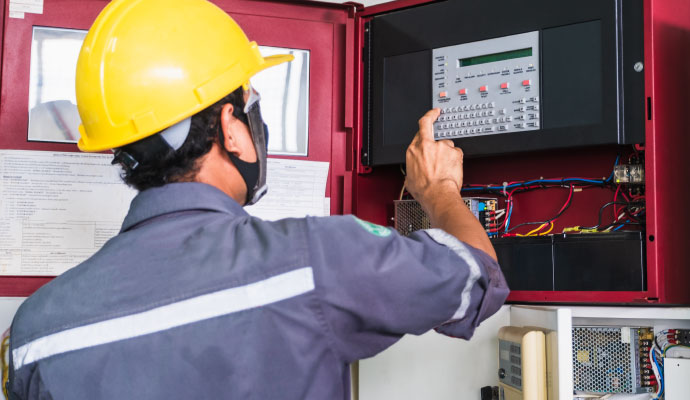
{"points": [[433, 366]]}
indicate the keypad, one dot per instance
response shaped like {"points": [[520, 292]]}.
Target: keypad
{"points": [[483, 118]]}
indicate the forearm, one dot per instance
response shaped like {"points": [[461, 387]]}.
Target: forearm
{"points": [[447, 211]]}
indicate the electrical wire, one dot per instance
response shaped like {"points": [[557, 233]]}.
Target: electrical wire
{"points": [[661, 375], [657, 373], [548, 231], [552, 182], [601, 211], [672, 346], [560, 212]]}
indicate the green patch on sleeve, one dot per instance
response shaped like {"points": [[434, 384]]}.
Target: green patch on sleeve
{"points": [[376, 230]]}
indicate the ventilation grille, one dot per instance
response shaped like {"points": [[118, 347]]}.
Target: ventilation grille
{"points": [[410, 217], [602, 362]]}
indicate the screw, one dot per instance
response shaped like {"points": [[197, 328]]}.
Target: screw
{"points": [[639, 66]]}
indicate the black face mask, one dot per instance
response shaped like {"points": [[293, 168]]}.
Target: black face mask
{"points": [[253, 174]]}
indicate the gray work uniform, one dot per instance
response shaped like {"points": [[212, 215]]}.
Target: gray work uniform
{"points": [[195, 299]]}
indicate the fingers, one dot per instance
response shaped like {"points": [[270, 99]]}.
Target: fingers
{"points": [[426, 124]]}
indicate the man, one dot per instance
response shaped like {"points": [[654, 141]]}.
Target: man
{"points": [[196, 299]]}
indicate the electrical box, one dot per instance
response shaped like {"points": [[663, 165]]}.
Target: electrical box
{"points": [[677, 371], [541, 92], [521, 364], [608, 360]]}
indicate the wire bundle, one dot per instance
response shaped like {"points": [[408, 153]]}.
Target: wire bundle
{"points": [[629, 214], [664, 341]]}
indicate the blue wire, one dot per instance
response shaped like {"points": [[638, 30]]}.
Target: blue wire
{"points": [[618, 157], [515, 185], [620, 226], [538, 181], [661, 374], [510, 213]]}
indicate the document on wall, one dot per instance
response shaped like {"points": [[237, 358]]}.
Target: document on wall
{"points": [[296, 188], [57, 209]]}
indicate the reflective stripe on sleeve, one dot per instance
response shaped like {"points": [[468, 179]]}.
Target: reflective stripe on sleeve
{"points": [[195, 309], [442, 237]]}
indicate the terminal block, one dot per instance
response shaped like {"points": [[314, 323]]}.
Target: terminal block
{"points": [[629, 174], [484, 208]]}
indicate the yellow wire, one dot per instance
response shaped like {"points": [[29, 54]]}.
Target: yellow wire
{"points": [[547, 232], [5, 368], [530, 233]]}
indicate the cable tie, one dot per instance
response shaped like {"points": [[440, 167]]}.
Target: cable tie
{"points": [[505, 184]]}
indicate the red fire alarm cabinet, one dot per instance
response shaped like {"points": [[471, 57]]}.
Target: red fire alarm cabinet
{"points": [[571, 115]]}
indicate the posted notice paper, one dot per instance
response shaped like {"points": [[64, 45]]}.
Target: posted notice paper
{"points": [[296, 188], [57, 209]]}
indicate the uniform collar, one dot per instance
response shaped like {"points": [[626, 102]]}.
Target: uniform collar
{"points": [[177, 197]]}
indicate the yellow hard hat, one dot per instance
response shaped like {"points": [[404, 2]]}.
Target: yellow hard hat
{"points": [[148, 64]]}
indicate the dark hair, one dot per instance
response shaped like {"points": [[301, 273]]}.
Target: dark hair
{"points": [[159, 164]]}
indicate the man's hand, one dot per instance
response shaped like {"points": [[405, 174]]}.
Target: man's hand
{"points": [[434, 177], [432, 167]]}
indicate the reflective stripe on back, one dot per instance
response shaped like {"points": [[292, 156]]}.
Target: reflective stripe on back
{"points": [[195, 309]]}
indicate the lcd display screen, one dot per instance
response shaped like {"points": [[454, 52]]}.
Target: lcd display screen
{"points": [[488, 58]]}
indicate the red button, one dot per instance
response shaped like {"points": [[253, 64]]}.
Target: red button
{"points": [[443, 94], [504, 85], [526, 82], [483, 89], [462, 91]]}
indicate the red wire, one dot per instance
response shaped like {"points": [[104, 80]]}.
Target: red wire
{"points": [[510, 204], [615, 206]]}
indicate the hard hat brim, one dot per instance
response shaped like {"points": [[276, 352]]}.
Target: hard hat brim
{"points": [[268, 62], [272, 61]]}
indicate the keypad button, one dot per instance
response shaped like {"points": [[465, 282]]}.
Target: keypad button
{"points": [[492, 113], [461, 92], [483, 89], [492, 104], [509, 119], [442, 94], [503, 111], [526, 82], [523, 100], [505, 85]]}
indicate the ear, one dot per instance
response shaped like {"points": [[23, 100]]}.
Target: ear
{"points": [[231, 132]]}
